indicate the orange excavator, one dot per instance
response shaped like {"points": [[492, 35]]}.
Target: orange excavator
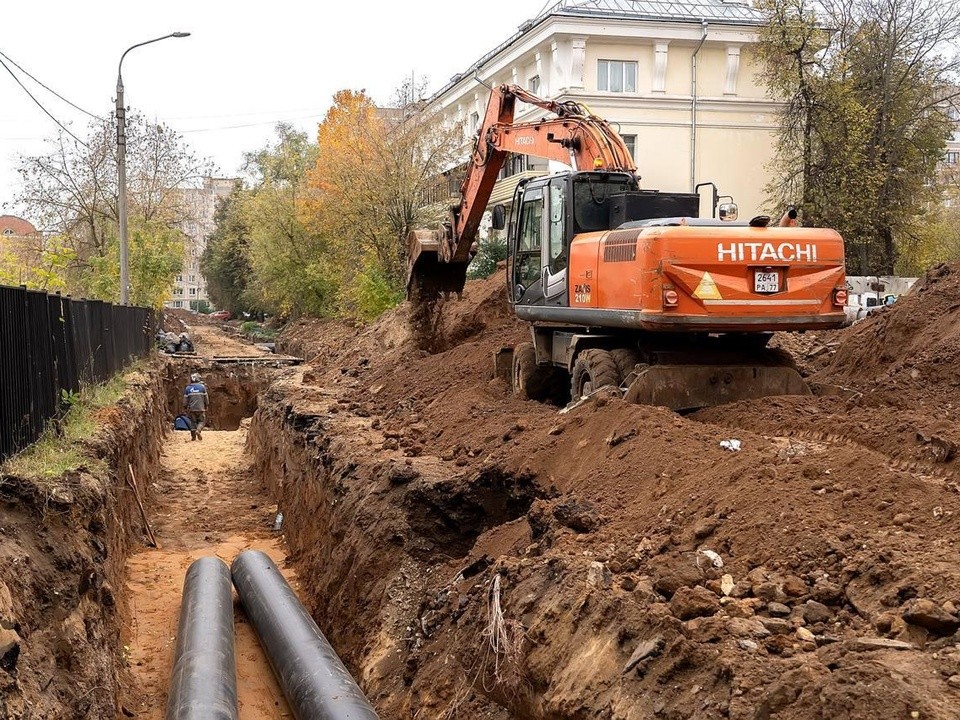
{"points": [[625, 286]]}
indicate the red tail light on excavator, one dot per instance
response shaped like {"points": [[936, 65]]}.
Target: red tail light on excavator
{"points": [[840, 297], [670, 298]]}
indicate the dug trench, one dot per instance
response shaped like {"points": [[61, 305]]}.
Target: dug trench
{"points": [[473, 555]]}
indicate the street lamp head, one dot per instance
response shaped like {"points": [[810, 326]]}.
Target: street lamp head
{"points": [[181, 34]]}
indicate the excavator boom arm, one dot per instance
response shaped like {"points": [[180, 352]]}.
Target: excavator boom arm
{"points": [[575, 136]]}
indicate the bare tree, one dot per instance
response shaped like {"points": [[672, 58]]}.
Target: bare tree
{"points": [[72, 189]]}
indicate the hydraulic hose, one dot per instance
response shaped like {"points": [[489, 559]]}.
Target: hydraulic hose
{"points": [[314, 680], [204, 681]]}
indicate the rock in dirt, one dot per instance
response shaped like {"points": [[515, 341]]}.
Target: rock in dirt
{"points": [[827, 593], [671, 581], [864, 643], [598, 575], [647, 648], [777, 626], [814, 612], [582, 517], [747, 627], [930, 616], [727, 584], [780, 610], [9, 649], [954, 681], [689, 603]]}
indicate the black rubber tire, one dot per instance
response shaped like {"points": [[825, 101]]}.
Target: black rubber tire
{"points": [[530, 380], [625, 359], [592, 370]]}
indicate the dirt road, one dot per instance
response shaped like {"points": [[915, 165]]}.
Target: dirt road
{"points": [[208, 503], [210, 341]]}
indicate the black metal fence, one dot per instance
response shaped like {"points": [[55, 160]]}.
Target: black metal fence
{"points": [[50, 344]]}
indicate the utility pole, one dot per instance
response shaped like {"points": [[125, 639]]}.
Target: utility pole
{"points": [[122, 170]]}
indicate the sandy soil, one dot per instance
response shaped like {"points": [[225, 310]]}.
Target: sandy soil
{"points": [[207, 503], [210, 342]]}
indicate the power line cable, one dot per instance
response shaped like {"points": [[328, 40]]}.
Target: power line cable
{"points": [[47, 87], [40, 105]]}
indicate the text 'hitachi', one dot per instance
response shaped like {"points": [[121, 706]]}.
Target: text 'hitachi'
{"points": [[762, 252]]}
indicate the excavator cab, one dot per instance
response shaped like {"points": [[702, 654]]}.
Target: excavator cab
{"points": [[549, 212]]}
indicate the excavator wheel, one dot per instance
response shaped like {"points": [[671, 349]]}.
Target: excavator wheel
{"points": [[626, 360], [532, 381], [593, 370]]}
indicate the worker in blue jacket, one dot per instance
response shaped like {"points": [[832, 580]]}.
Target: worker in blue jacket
{"points": [[196, 402]]}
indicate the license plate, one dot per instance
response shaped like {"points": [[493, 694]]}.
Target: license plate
{"points": [[766, 282]]}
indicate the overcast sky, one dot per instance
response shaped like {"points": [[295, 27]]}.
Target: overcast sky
{"points": [[245, 64]]}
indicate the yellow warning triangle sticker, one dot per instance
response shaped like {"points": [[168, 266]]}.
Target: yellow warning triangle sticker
{"points": [[707, 289]]}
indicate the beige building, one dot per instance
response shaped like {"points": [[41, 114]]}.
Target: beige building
{"points": [[201, 203], [678, 79]]}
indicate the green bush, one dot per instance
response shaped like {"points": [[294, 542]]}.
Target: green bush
{"points": [[373, 294], [490, 252]]}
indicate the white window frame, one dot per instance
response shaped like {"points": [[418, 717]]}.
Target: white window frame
{"points": [[605, 71], [533, 84], [628, 140], [951, 157]]}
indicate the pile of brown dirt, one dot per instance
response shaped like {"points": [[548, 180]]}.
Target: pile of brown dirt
{"points": [[601, 593], [908, 353]]}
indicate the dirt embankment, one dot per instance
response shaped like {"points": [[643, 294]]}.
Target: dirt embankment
{"points": [[473, 555], [63, 543]]}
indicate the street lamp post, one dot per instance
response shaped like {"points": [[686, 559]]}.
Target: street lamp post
{"points": [[122, 169]]}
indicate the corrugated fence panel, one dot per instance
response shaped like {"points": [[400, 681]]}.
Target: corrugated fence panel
{"points": [[54, 345]]}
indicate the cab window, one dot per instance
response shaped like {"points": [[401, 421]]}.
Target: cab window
{"points": [[529, 240], [558, 259]]}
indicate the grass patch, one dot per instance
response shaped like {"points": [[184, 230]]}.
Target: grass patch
{"points": [[257, 332], [60, 450]]}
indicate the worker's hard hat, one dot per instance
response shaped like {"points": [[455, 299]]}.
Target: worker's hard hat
{"points": [[195, 377]]}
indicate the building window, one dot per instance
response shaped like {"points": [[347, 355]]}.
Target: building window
{"points": [[952, 157], [617, 76], [474, 121], [178, 291], [179, 278], [631, 142], [178, 303], [533, 84], [7, 231], [193, 291], [193, 278], [953, 113], [513, 165]]}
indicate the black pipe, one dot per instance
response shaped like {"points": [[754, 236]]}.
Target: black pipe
{"points": [[315, 682], [204, 681]]}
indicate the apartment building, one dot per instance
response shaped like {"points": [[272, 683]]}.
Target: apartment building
{"points": [[679, 79], [190, 290]]}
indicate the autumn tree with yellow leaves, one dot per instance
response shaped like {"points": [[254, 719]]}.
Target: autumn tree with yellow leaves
{"points": [[375, 168]]}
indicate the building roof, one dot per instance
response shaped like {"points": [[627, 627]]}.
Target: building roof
{"points": [[720, 12], [13, 225]]}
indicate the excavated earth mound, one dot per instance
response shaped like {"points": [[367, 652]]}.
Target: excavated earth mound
{"points": [[615, 561]]}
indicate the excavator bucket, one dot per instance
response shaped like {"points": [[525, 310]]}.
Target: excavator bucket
{"points": [[430, 274], [690, 387]]}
